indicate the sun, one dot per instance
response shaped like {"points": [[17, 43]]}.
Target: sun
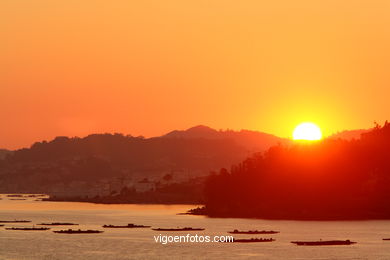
{"points": [[307, 131]]}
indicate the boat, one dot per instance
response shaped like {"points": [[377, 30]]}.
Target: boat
{"points": [[324, 243], [28, 228], [252, 232], [253, 240], [178, 229], [57, 224], [78, 231], [386, 239], [130, 225], [15, 221]]}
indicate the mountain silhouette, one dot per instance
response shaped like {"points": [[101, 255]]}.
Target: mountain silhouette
{"points": [[253, 141], [349, 134], [184, 154], [199, 131]]}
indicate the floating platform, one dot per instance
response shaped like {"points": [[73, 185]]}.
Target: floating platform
{"points": [[324, 243], [178, 229], [78, 231], [28, 229], [15, 221], [127, 226], [57, 224]]}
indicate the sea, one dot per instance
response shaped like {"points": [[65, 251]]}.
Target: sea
{"points": [[140, 243]]}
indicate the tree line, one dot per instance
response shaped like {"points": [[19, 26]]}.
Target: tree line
{"points": [[328, 179]]}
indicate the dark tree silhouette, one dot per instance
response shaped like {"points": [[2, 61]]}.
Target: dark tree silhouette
{"points": [[331, 179]]}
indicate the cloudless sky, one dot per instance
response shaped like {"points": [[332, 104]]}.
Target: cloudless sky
{"points": [[77, 67]]}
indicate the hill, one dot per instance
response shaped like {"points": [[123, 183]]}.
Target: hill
{"points": [[253, 141], [349, 134], [330, 179], [87, 165]]}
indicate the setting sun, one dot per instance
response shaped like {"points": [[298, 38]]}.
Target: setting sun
{"points": [[307, 131]]}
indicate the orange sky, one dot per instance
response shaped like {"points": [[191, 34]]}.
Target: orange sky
{"points": [[146, 67]]}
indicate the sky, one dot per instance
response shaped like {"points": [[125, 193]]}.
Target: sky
{"points": [[147, 67]]}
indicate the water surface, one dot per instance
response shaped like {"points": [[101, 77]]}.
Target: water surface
{"points": [[140, 243]]}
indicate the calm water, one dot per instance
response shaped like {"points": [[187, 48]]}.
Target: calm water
{"points": [[140, 244]]}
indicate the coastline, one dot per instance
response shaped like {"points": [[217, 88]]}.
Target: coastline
{"points": [[137, 200], [202, 211]]}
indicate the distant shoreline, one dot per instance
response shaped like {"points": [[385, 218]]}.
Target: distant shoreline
{"points": [[201, 211], [110, 200]]}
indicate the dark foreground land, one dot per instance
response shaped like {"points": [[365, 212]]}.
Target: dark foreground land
{"points": [[330, 179]]}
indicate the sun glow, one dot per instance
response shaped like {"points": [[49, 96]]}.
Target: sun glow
{"points": [[307, 131]]}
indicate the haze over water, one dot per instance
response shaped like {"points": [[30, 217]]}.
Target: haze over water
{"points": [[140, 243]]}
